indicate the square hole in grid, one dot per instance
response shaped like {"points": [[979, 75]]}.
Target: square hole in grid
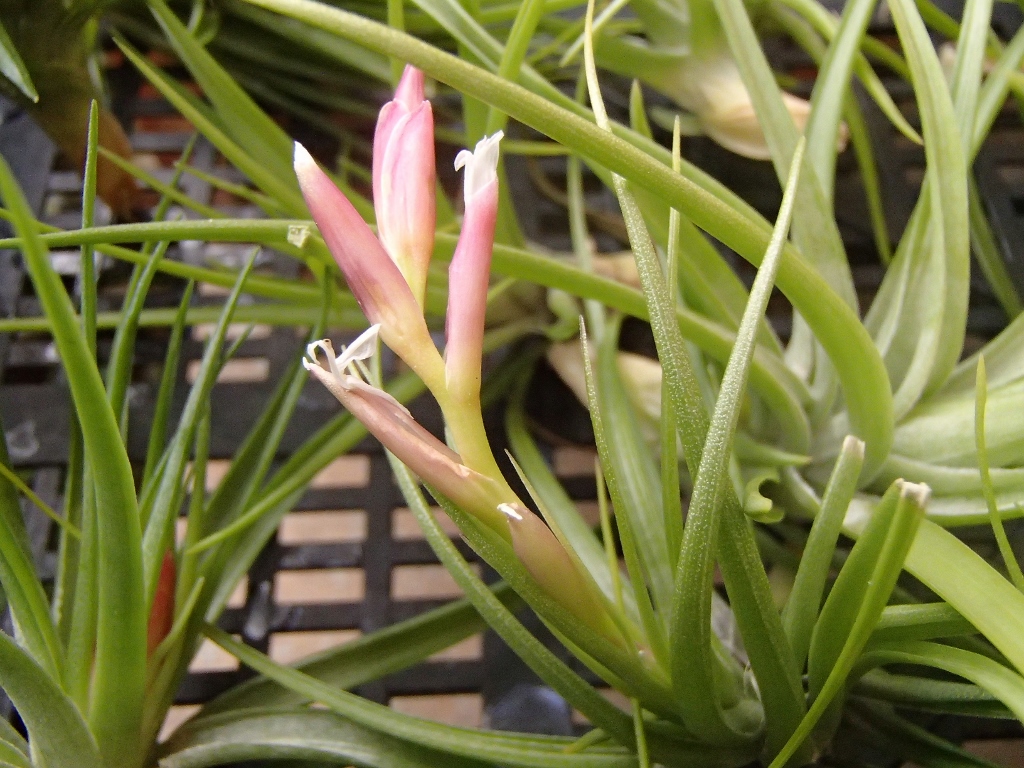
{"points": [[325, 585], [574, 461], [470, 649], [465, 709], [429, 581], [216, 470], [404, 526], [1005, 752], [238, 370], [322, 526], [351, 471], [212, 658], [176, 716], [617, 698], [289, 647], [237, 597]]}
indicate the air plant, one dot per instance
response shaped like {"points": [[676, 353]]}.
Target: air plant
{"points": [[823, 413]]}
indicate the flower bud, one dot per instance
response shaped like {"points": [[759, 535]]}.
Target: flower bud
{"points": [[471, 266], [374, 279], [404, 180]]}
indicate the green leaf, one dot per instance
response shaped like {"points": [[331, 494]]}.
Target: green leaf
{"points": [[120, 656], [691, 611], [865, 384], [958, 575], [55, 727], [249, 126], [13, 68], [119, 369], [611, 463], [87, 278], [22, 589], [918, 744], [556, 501], [815, 230], [826, 24], [922, 621], [268, 733], [854, 605], [1003, 683], [371, 656], [940, 339], [923, 693], [1005, 548], [161, 507], [801, 611], [547, 666], [283, 189], [989, 256], [508, 749], [165, 395]]}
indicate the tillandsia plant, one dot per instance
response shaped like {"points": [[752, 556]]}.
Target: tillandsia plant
{"points": [[822, 414], [838, 377]]}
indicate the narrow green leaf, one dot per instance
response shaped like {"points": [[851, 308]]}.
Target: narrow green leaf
{"points": [[918, 744], [248, 125], [167, 191], [885, 559], [815, 230], [866, 388], [801, 611], [826, 25], [13, 67], [940, 338], [610, 465], [165, 394], [371, 656], [989, 256], [507, 749], [923, 621], [1005, 548], [119, 672], [922, 693], [691, 611], [119, 369], [292, 735], [543, 662], [514, 54], [555, 500], [87, 276], [55, 727], [23, 591], [281, 188], [1003, 683], [161, 509]]}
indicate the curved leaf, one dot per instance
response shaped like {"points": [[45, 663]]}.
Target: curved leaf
{"points": [[55, 727]]}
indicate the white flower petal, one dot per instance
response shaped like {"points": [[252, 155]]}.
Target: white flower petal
{"points": [[481, 164], [362, 348]]}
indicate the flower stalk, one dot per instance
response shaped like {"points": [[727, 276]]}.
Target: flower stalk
{"points": [[387, 275]]}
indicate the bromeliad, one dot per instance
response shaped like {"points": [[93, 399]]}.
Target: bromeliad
{"points": [[387, 276]]}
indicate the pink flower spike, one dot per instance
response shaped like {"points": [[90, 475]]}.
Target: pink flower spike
{"points": [[471, 266], [375, 281], [404, 180]]}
